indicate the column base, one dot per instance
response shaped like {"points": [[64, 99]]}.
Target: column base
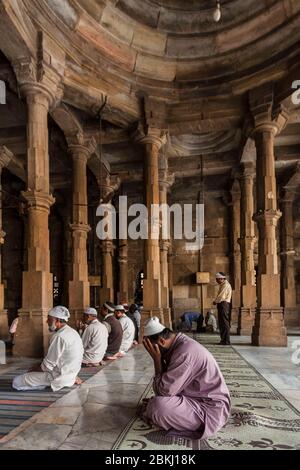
{"points": [[269, 329], [148, 313], [292, 316], [4, 331], [32, 336], [75, 315], [246, 321]]}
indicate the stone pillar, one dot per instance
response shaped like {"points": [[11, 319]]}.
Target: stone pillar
{"points": [[79, 287], [152, 282], [269, 328], [5, 157], [107, 278], [288, 288], [247, 242], [32, 337], [170, 277], [123, 271], [236, 252], [165, 182]]}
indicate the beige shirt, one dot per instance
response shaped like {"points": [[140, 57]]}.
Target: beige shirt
{"points": [[94, 339], [225, 293]]}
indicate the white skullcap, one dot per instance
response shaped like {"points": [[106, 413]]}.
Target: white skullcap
{"points": [[59, 312], [120, 307], [153, 327], [220, 276], [91, 311], [108, 307]]}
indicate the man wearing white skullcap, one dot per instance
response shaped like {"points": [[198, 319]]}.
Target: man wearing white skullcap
{"points": [[94, 339], [128, 330], [63, 361], [191, 397], [223, 302], [115, 332]]}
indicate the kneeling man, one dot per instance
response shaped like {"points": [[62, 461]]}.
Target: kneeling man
{"points": [[192, 399], [63, 361], [94, 338]]}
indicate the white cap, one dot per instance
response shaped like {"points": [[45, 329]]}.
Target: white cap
{"points": [[91, 311], [220, 276], [59, 312], [153, 327], [109, 308], [120, 307]]}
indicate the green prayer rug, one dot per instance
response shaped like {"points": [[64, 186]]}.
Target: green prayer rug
{"points": [[261, 418]]}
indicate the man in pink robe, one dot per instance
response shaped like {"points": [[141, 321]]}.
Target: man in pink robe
{"points": [[191, 397]]}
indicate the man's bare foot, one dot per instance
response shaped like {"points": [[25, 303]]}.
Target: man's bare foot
{"points": [[110, 358], [120, 354], [78, 381]]}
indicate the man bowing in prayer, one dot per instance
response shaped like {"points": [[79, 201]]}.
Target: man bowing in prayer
{"points": [[63, 361], [191, 398], [94, 338], [223, 302]]}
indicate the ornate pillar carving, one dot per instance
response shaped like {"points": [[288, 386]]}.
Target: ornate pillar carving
{"points": [[247, 242], [41, 85], [269, 327], [5, 157], [152, 142], [79, 287]]}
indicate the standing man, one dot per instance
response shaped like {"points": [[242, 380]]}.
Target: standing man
{"points": [[94, 338], [223, 302]]}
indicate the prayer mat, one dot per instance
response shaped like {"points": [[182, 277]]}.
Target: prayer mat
{"points": [[261, 418], [16, 407]]}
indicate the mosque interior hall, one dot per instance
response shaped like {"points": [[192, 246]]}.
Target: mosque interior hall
{"points": [[107, 106]]}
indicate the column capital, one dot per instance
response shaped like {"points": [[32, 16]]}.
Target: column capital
{"points": [[38, 199], [153, 136], [247, 170], [165, 180], [5, 156], [80, 148], [107, 247], [165, 245], [235, 192], [269, 217], [38, 79], [108, 187]]}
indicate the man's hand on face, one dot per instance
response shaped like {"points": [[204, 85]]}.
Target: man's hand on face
{"points": [[152, 349]]}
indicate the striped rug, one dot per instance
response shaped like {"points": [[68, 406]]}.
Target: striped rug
{"points": [[16, 407]]}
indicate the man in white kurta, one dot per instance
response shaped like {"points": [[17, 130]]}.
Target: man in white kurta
{"points": [[94, 338], [63, 361], [127, 327]]}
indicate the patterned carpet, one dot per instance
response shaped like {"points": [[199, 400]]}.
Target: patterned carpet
{"points": [[261, 418], [17, 407]]}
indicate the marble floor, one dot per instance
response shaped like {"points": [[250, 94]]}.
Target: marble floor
{"points": [[93, 415]]}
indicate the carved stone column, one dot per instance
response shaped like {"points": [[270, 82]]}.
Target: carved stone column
{"points": [[108, 186], [288, 288], [123, 271], [32, 337], [247, 242], [79, 287], [269, 328], [236, 252], [5, 157], [165, 182], [152, 143]]}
